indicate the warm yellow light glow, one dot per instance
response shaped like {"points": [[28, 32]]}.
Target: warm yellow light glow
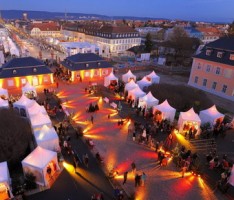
{"points": [[93, 136], [1, 81], [17, 82], [82, 74], [40, 77], [29, 79], [51, 78], [91, 73], [100, 72], [72, 76]]}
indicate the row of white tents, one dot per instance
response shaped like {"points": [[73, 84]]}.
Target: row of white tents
{"points": [[45, 155], [147, 101], [146, 81]]}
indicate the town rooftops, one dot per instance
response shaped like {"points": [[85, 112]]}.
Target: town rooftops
{"points": [[220, 51], [45, 26], [85, 61], [23, 67]]}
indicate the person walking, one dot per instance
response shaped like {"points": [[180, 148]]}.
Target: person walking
{"points": [[86, 160], [133, 165], [143, 178], [125, 177], [91, 119]]}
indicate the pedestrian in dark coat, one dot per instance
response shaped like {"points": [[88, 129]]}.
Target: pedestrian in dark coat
{"points": [[125, 177]]}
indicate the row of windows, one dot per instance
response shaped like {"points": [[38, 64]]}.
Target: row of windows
{"points": [[11, 82], [209, 67], [126, 41], [214, 84]]}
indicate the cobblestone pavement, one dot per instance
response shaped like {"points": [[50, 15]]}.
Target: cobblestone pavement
{"points": [[118, 150]]}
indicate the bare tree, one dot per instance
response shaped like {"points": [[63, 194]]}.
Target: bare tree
{"points": [[15, 134]]}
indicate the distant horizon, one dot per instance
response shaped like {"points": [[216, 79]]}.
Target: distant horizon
{"points": [[196, 10], [131, 16]]}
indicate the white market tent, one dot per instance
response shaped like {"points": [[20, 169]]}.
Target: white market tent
{"points": [[128, 77], [108, 79], [153, 77], [130, 85], [35, 108], [210, 115], [144, 82], [47, 138], [231, 178], [167, 111], [29, 89], [39, 162], [191, 118], [4, 93], [4, 103], [148, 101], [135, 94], [38, 120], [4, 181], [23, 102]]}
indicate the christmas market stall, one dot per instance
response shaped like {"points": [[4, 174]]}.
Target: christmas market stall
{"points": [[128, 77], [211, 116], [5, 192], [42, 163], [189, 122], [164, 111], [47, 138]]}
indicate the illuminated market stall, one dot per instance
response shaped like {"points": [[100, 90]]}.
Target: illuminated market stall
{"points": [[4, 93], [4, 103], [144, 82], [135, 94], [148, 101], [164, 111], [153, 77], [29, 91], [5, 192], [110, 80], [42, 164], [128, 77], [189, 120]]}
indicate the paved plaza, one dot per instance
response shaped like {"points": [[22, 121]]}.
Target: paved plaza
{"points": [[116, 146]]}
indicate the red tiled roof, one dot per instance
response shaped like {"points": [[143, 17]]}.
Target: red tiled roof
{"points": [[46, 26]]}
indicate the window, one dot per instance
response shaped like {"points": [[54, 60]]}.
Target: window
{"points": [[46, 79], [34, 69], [14, 71], [231, 56], [196, 80], [214, 85], [217, 70], [208, 52], [204, 82], [199, 66], [23, 81], [208, 68], [87, 65], [10, 83], [86, 74], [224, 88], [228, 73], [220, 54]]}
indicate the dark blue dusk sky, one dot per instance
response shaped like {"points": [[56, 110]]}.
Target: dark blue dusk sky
{"points": [[203, 10]]}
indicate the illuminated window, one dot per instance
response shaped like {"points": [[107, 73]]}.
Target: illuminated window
{"points": [[231, 56], [87, 65], [14, 71], [23, 81], [220, 54], [34, 70], [10, 83], [208, 52], [46, 79]]}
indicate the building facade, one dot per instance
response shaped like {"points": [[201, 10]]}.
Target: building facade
{"points": [[213, 69], [86, 66], [18, 71], [111, 39], [44, 30]]}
